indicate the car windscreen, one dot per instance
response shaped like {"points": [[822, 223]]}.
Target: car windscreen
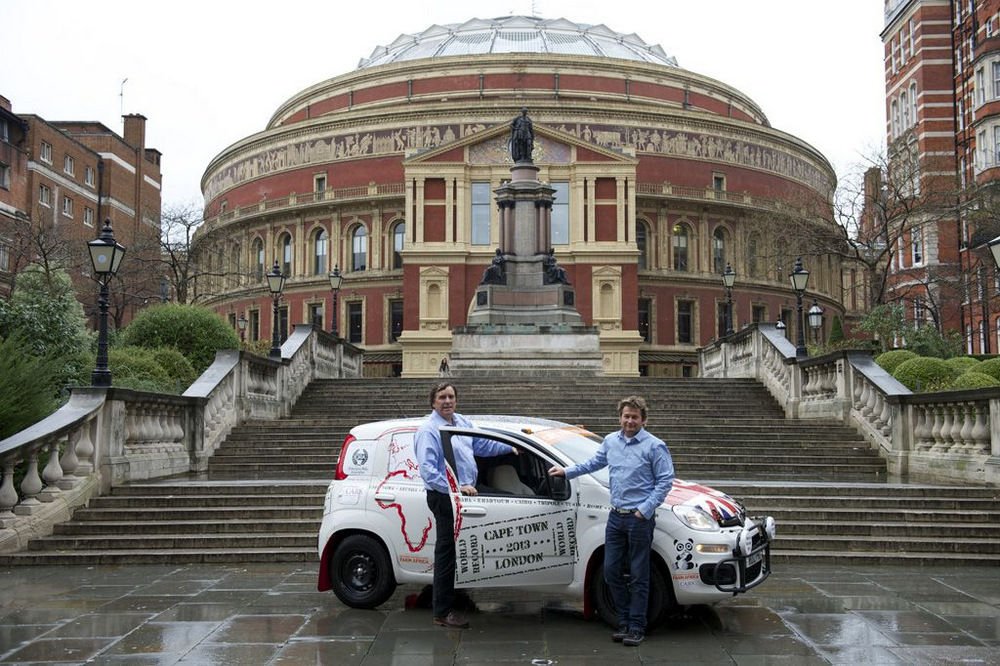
{"points": [[575, 444]]}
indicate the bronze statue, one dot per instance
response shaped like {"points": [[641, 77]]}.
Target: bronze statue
{"points": [[554, 273], [522, 138], [495, 273]]}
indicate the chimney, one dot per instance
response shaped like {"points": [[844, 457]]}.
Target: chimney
{"points": [[135, 130], [4, 103]]}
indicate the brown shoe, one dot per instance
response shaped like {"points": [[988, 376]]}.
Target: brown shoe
{"points": [[451, 621]]}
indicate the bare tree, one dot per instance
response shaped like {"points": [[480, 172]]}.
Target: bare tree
{"points": [[189, 277]]}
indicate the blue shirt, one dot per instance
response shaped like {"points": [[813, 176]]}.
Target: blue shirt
{"points": [[430, 455], [640, 469]]}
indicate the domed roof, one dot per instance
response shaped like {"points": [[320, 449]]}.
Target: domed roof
{"points": [[517, 34]]}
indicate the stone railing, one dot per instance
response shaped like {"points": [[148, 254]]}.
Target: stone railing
{"points": [[107, 437], [950, 436]]}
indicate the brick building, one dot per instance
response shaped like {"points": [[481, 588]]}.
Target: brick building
{"points": [[662, 177], [58, 181], [942, 69]]}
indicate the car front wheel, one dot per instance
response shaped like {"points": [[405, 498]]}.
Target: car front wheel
{"points": [[361, 573], [661, 597]]}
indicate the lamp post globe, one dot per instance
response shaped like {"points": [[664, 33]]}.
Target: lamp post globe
{"points": [[800, 279], [106, 256], [241, 324], [336, 279], [815, 317], [728, 280], [275, 284]]}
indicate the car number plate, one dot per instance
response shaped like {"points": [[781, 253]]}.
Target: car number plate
{"points": [[755, 559]]}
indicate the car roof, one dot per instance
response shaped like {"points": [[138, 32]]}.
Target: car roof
{"points": [[501, 422]]}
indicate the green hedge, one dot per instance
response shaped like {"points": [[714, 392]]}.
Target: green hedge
{"points": [[925, 374], [991, 367], [892, 359], [963, 363], [196, 332], [974, 380]]}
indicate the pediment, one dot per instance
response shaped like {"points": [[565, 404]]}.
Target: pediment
{"points": [[489, 145]]}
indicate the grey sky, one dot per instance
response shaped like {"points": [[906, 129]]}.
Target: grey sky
{"points": [[206, 74]]}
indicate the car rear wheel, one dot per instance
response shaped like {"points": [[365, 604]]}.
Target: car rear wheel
{"points": [[361, 573], [661, 597]]}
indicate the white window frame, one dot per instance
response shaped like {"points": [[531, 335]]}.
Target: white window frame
{"points": [[904, 111], [4, 258], [88, 176], [67, 206], [88, 216], [917, 246], [45, 195], [980, 86], [45, 154], [913, 40], [913, 103], [894, 118], [4, 176], [69, 165]]}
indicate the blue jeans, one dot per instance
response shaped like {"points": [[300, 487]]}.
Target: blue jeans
{"points": [[628, 541]]}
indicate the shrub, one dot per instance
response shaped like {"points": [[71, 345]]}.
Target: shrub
{"points": [[991, 367], [194, 331], [29, 385], [963, 363], [973, 380], [891, 360], [137, 368], [176, 365], [925, 374]]}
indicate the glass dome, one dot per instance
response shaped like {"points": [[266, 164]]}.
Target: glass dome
{"points": [[517, 34]]}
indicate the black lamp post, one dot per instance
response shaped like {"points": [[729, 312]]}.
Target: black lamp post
{"points": [[335, 281], [729, 279], [815, 317], [106, 255], [241, 324], [800, 278], [275, 284]]}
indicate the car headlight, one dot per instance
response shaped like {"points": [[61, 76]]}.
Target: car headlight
{"points": [[696, 518]]}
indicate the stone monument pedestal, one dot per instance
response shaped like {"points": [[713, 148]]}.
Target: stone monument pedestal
{"points": [[526, 350]]}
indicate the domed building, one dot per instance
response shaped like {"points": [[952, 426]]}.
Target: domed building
{"points": [[662, 178]]}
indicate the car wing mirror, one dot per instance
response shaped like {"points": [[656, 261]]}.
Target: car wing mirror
{"points": [[560, 487]]}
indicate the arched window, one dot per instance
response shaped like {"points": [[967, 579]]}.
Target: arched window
{"points": [[752, 251], [258, 259], [641, 236], [235, 274], [719, 250], [320, 242], [359, 248], [680, 242], [398, 236], [286, 254]]}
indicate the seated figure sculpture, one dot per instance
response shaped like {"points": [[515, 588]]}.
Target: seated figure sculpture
{"points": [[554, 273], [495, 273]]}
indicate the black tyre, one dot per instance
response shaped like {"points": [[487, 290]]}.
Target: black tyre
{"points": [[361, 573], [661, 597]]}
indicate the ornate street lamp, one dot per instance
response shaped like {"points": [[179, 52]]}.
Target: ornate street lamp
{"points": [[800, 278], [335, 281], [729, 279], [994, 246], [815, 317], [241, 324], [275, 284], [106, 256]]}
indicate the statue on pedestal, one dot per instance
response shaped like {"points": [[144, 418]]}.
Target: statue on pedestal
{"points": [[554, 273], [522, 138], [495, 273]]}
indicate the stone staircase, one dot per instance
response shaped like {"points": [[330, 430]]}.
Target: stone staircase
{"points": [[262, 497]]}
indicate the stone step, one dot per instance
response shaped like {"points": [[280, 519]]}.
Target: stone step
{"points": [[248, 502], [836, 557], [855, 543], [786, 491], [199, 513], [256, 525], [981, 529], [235, 542], [169, 555]]}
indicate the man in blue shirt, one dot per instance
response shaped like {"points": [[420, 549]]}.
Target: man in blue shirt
{"points": [[641, 474], [430, 455]]}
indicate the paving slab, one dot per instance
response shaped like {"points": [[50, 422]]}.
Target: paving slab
{"points": [[271, 614]]}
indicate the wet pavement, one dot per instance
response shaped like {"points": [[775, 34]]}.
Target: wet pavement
{"points": [[272, 614]]}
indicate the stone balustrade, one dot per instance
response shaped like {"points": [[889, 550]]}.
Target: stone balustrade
{"points": [[949, 436], [102, 438]]}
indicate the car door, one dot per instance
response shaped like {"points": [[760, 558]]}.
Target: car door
{"points": [[401, 503], [515, 535]]}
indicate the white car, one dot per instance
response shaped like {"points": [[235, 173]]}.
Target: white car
{"points": [[532, 530]]}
